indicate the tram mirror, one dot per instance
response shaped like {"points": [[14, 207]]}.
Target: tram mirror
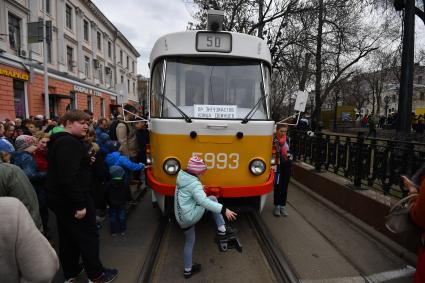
{"points": [[301, 101]]}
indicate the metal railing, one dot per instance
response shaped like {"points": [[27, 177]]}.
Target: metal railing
{"points": [[366, 162]]}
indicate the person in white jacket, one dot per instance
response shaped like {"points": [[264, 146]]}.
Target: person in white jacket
{"points": [[26, 255], [190, 203]]}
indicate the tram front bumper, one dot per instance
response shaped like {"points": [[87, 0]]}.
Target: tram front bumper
{"points": [[224, 192]]}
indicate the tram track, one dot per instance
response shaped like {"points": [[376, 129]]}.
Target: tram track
{"points": [[148, 268], [274, 259], [278, 263]]}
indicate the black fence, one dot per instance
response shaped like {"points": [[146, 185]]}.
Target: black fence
{"points": [[367, 162]]}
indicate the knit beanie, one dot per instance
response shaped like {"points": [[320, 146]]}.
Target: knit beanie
{"points": [[116, 172], [196, 165], [22, 142], [6, 146]]}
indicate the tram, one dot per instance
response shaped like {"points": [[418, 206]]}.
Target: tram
{"points": [[210, 96]]}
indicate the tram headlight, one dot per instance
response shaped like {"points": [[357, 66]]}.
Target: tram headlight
{"points": [[171, 166], [257, 167]]}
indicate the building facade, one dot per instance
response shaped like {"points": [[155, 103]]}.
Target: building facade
{"points": [[91, 65]]}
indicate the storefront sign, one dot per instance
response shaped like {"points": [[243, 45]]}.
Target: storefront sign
{"points": [[215, 111], [82, 89], [14, 74]]}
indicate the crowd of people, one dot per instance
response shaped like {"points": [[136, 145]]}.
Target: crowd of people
{"points": [[76, 168]]}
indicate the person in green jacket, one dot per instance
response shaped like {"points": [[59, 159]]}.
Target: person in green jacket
{"points": [[189, 206], [14, 183]]}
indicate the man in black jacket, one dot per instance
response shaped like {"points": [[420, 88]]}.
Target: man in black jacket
{"points": [[68, 185]]}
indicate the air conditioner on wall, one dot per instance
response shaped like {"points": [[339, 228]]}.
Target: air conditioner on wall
{"points": [[22, 52]]}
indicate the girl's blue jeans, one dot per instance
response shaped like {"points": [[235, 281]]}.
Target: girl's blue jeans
{"points": [[190, 237]]}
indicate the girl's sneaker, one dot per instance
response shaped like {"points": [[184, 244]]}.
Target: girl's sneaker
{"points": [[196, 268], [284, 211]]}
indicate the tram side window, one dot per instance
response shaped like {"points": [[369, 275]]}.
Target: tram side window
{"points": [[156, 99], [194, 90], [241, 93]]}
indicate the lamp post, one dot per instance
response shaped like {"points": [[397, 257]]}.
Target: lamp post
{"points": [[406, 81]]}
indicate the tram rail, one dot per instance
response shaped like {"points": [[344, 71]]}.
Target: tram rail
{"points": [[278, 263]]}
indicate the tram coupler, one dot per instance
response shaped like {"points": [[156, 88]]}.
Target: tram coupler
{"points": [[228, 241]]}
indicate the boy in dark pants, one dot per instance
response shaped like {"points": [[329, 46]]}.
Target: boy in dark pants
{"points": [[69, 197], [116, 195], [284, 170]]}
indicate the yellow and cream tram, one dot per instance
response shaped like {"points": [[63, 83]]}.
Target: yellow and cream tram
{"points": [[209, 96]]}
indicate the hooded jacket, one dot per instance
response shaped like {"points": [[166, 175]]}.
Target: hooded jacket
{"points": [[14, 183], [190, 200], [69, 172], [117, 159]]}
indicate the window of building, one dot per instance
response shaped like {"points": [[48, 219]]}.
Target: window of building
{"points": [[128, 60], [100, 70], [99, 40], [109, 49], [128, 85], [102, 107], [14, 31], [110, 81], [19, 98], [46, 7], [134, 88], [86, 30], [422, 96], [122, 79], [68, 16], [69, 57], [419, 79], [87, 66], [132, 66], [49, 51], [121, 57], [89, 103]]}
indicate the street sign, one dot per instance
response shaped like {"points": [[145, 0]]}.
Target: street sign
{"points": [[301, 101], [35, 32]]}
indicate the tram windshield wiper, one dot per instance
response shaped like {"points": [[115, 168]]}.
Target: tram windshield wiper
{"points": [[255, 108], [185, 116]]}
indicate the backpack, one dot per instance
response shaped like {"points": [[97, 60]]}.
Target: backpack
{"points": [[113, 129]]}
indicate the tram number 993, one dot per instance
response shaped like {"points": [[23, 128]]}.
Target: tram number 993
{"points": [[219, 160]]}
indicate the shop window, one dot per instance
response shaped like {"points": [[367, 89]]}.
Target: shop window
{"points": [[86, 30], [68, 16], [89, 103], [14, 31], [87, 66], [69, 57], [19, 98], [99, 40]]}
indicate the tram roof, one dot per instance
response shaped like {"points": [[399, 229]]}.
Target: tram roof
{"points": [[183, 44]]}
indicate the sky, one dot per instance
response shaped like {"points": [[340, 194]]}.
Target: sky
{"points": [[143, 21]]}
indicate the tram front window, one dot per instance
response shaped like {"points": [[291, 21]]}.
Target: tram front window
{"points": [[198, 86]]}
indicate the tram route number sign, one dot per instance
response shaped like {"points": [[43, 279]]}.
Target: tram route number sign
{"points": [[213, 42], [215, 111]]}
